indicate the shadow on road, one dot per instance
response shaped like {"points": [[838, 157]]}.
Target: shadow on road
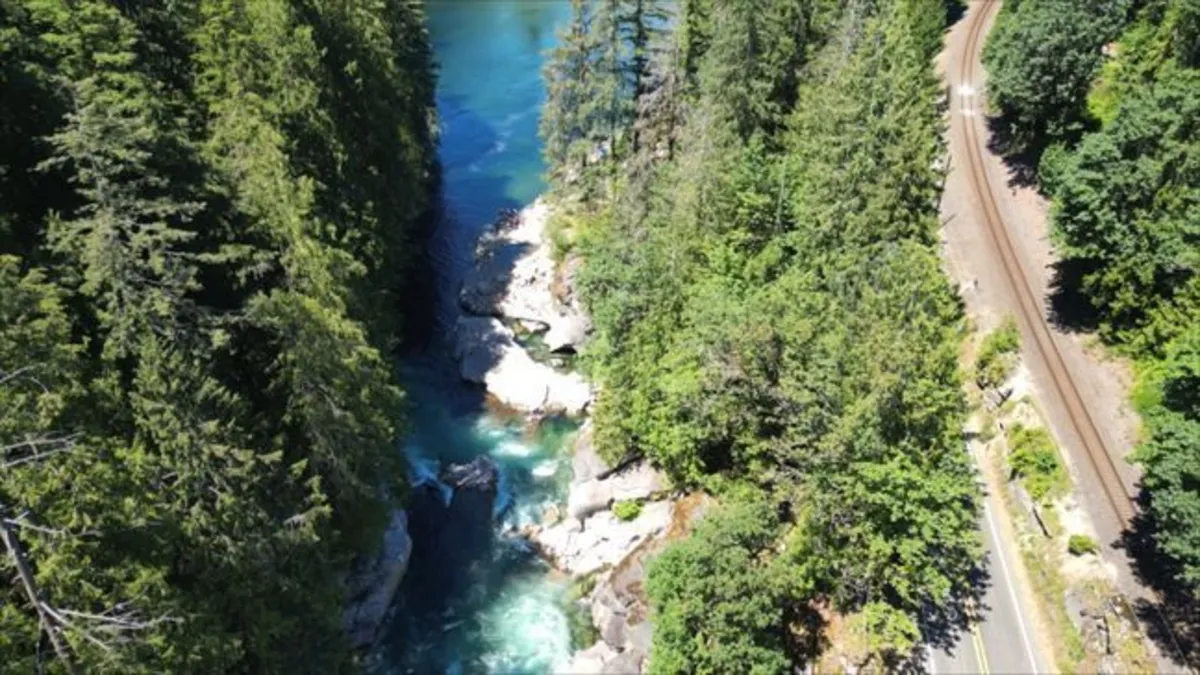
{"points": [[944, 628]]}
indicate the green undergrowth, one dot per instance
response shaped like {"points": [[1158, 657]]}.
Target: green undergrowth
{"points": [[1034, 457], [627, 510], [998, 355]]}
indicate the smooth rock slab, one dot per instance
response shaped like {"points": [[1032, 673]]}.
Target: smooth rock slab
{"points": [[586, 463], [488, 354], [604, 539], [637, 482], [591, 660]]}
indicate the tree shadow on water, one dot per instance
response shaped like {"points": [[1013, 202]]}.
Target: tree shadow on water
{"points": [[471, 198], [457, 559]]}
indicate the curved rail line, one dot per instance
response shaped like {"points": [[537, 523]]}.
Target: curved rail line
{"points": [[1118, 497]]}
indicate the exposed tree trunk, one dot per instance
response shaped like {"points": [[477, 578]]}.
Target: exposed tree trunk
{"points": [[25, 574]]}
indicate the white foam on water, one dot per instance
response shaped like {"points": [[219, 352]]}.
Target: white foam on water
{"points": [[424, 470], [512, 447], [526, 629], [545, 468]]}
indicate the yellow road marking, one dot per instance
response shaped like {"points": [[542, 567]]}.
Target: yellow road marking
{"points": [[980, 653]]}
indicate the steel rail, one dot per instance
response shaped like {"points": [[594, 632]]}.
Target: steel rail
{"points": [[1033, 322]]}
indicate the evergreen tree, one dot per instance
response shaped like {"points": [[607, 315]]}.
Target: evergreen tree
{"points": [[566, 114], [1041, 59], [772, 318], [213, 203]]}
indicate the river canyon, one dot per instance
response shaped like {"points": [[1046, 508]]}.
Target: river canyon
{"points": [[472, 600]]}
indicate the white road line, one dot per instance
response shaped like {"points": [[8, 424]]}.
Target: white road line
{"points": [[1012, 594], [929, 660]]}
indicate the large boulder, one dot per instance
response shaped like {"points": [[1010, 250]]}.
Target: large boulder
{"points": [[603, 540], [474, 488], [514, 278], [636, 482], [568, 334], [373, 584], [453, 520], [624, 663], [640, 481], [591, 660], [482, 474], [588, 498], [488, 354], [586, 463]]}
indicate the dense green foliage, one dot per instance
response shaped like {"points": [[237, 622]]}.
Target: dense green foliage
{"points": [[1081, 544], [720, 606], [770, 310], [1034, 457], [627, 510], [1041, 57], [1126, 219], [1171, 456], [203, 219], [998, 354]]}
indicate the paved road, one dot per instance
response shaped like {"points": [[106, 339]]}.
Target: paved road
{"points": [[1001, 640]]}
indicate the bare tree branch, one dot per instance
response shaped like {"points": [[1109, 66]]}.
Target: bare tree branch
{"points": [[118, 623], [63, 621], [40, 448], [23, 522], [13, 546]]}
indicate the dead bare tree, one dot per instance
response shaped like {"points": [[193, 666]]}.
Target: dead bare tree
{"points": [[105, 630]]}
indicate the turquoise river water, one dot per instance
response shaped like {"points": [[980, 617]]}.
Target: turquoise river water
{"points": [[474, 601]]}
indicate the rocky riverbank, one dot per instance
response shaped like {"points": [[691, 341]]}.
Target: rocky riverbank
{"points": [[511, 289], [591, 541], [616, 518]]}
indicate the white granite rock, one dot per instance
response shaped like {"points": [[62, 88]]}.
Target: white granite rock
{"points": [[586, 463], [588, 498], [513, 278], [591, 660], [488, 354], [604, 539], [640, 481]]}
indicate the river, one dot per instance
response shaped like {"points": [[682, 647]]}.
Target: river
{"points": [[472, 600]]}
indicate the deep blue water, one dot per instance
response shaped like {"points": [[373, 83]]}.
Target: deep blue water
{"points": [[477, 601]]}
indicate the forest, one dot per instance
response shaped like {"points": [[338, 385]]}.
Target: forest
{"points": [[206, 211], [1115, 144], [754, 187]]}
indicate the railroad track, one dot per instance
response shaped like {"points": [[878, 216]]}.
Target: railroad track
{"points": [[1119, 497], [1032, 322]]}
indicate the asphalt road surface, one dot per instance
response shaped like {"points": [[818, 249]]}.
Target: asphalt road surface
{"points": [[1000, 640]]}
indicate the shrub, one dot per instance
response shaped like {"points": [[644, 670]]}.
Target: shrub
{"points": [[998, 355], [1034, 457], [1081, 544], [627, 511]]}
